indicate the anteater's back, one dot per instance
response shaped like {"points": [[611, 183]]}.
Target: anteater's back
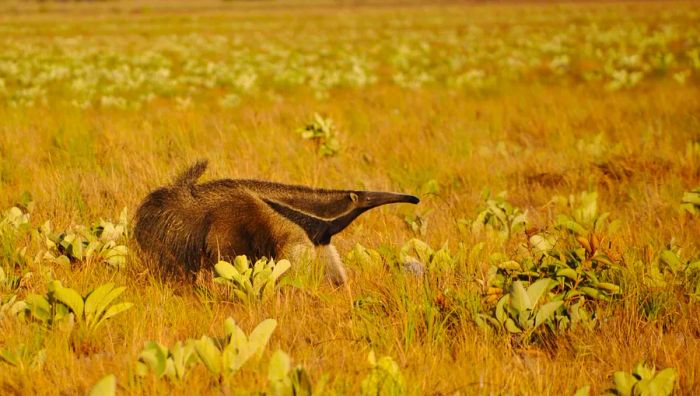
{"points": [[171, 225]]}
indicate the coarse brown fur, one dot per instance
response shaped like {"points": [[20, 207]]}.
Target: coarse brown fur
{"points": [[187, 226]]}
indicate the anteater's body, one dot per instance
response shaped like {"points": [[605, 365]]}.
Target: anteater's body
{"points": [[187, 225]]}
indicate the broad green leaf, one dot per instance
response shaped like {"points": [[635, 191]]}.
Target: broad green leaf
{"points": [[610, 287], [107, 386], [583, 391], [231, 329], [500, 309], [183, 357], [568, 273], [209, 354], [519, 298], [100, 305], [541, 244], [241, 264], [671, 259], [155, 356], [510, 265], [664, 382], [112, 311], [691, 198], [591, 292], [536, 290], [260, 336], [93, 300], [225, 270], [624, 382], [280, 268], [641, 371], [39, 307], [116, 256], [72, 299], [280, 364], [546, 312], [512, 327]]}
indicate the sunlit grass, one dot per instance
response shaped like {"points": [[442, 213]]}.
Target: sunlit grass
{"points": [[412, 114]]}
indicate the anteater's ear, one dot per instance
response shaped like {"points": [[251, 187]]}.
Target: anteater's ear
{"points": [[354, 197]]}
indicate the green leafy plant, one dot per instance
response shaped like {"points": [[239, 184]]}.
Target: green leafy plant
{"points": [[691, 201], [573, 262], [172, 363], [524, 310], [499, 217], [251, 283], [418, 253], [103, 242], [643, 380], [384, 378], [583, 218], [323, 133], [283, 380], [364, 258], [236, 349], [669, 268], [63, 305]]}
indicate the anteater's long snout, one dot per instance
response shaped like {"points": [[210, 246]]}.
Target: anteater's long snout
{"points": [[372, 199]]}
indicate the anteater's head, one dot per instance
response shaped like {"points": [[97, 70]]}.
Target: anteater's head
{"points": [[323, 213]]}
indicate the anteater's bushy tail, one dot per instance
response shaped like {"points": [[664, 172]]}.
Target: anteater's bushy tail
{"points": [[190, 176]]}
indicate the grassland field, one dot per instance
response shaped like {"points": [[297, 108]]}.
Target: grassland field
{"points": [[553, 142]]}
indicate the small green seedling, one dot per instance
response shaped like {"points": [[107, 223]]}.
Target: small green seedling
{"points": [[323, 133], [418, 252], [384, 379], [498, 217], [172, 363], [282, 380], [227, 357], [364, 258], [583, 218], [248, 283], [643, 381]]}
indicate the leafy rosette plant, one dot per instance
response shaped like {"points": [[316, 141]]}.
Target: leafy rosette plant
{"points": [[323, 133], [499, 217], [643, 380], [103, 242], [524, 310], [172, 363], [384, 378], [63, 305], [250, 283], [225, 357]]}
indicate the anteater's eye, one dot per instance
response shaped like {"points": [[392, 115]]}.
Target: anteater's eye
{"points": [[353, 197]]}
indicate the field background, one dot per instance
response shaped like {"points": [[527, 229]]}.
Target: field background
{"points": [[102, 102]]}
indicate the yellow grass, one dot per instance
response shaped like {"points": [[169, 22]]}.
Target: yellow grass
{"points": [[534, 138]]}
